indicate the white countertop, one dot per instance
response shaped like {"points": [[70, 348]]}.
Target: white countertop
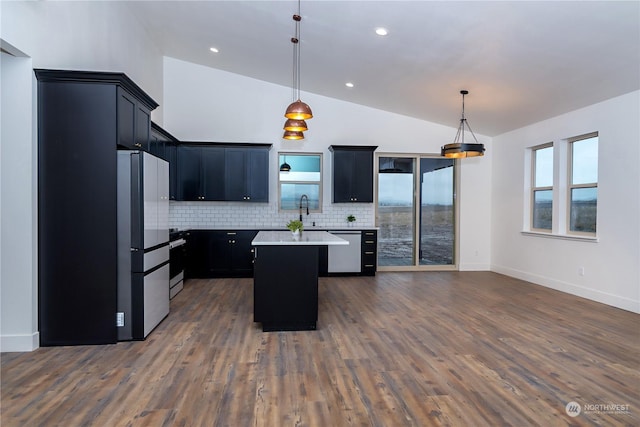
{"points": [[286, 238]]}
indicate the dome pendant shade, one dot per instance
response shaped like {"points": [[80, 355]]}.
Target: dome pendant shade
{"points": [[298, 111], [295, 125], [458, 148], [285, 167], [288, 134]]}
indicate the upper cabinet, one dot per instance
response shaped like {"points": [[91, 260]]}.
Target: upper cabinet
{"points": [[218, 172], [164, 145], [247, 174], [134, 121], [352, 173]]}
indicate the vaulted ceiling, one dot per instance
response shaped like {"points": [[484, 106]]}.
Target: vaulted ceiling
{"points": [[521, 61]]}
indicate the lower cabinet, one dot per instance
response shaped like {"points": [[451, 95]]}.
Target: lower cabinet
{"points": [[228, 253], [369, 256], [219, 253]]}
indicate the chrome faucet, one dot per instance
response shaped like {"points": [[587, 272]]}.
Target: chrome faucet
{"points": [[303, 197]]}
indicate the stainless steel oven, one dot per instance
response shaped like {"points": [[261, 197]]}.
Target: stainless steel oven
{"points": [[176, 262]]}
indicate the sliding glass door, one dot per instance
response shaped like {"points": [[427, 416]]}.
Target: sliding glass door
{"points": [[415, 212]]}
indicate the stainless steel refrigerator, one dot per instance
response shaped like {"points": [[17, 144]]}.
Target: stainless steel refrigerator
{"points": [[143, 243]]}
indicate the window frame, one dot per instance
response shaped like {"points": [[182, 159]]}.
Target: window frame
{"points": [[535, 188], [571, 186], [319, 182]]}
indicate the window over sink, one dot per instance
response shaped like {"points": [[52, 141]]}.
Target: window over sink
{"points": [[299, 174]]}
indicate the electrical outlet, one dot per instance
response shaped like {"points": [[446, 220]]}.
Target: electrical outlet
{"points": [[580, 271], [119, 319]]}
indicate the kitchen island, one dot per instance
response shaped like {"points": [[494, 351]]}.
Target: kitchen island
{"points": [[285, 278]]}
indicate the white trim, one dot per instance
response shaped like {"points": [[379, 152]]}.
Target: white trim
{"points": [[571, 288], [19, 343], [560, 236]]}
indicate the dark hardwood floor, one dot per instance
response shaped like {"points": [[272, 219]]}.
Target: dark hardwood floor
{"points": [[398, 349]]}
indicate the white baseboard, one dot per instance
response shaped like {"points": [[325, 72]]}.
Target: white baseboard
{"points": [[571, 288], [19, 343], [469, 266]]}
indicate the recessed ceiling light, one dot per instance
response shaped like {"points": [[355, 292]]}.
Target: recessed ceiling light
{"points": [[348, 84], [381, 31], [214, 50]]}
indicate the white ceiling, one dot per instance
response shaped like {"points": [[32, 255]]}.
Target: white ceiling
{"points": [[522, 62]]}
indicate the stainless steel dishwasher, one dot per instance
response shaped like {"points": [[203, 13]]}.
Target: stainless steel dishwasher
{"points": [[346, 259]]}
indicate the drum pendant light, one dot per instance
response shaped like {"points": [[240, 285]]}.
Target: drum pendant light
{"points": [[297, 111], [458, 148]]}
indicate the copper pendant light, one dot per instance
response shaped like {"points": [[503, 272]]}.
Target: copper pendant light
{"points": [[297, 111], [293, 135], [458, 148], [295, 125]]}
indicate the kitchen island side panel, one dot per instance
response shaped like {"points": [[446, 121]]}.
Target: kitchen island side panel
{"points": [[286, 287]]}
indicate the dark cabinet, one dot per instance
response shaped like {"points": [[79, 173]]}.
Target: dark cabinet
{"points": [[81, 118], [164, 145], [200, 173], [134, 121], [369, 256], [352, 173], [220, 253], [217, 172], [247, 174]]}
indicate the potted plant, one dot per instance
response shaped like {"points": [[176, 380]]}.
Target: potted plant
{"points": [[350, 220], [296, 227]]}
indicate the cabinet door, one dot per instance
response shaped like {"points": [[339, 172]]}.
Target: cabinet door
{"points": [[342, 176], [258, 175], [362, 177], [195, 264], [235, 178], [188, 181], [242, 254], [171, 154], [218, 253], [126, 120], [212, 173], [143, 127]]}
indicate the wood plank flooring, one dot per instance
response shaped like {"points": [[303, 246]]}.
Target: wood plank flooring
{"points": [[398, 349]]}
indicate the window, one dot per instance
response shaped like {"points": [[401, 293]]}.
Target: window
{"points": [[583, 184], [562, 178], [542, 188], [303, 178]]}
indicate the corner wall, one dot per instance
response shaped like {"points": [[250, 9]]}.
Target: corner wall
{"points": [[611, 265]]}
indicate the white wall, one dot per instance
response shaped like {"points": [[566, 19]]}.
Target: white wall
{"points": [[85, 35], [212, 105], [99, 36], [18, 207], [612, 265]]}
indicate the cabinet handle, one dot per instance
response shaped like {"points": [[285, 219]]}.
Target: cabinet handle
{"points": [[368, 265], [369, 253], [231, 233], [137, 144], [369, 242], [368, 233]]}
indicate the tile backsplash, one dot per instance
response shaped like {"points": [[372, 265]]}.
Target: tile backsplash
{"points": [[225, 215]]}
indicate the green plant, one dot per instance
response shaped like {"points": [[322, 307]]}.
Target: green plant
{"points": [[295, 224], [351, 218]]}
